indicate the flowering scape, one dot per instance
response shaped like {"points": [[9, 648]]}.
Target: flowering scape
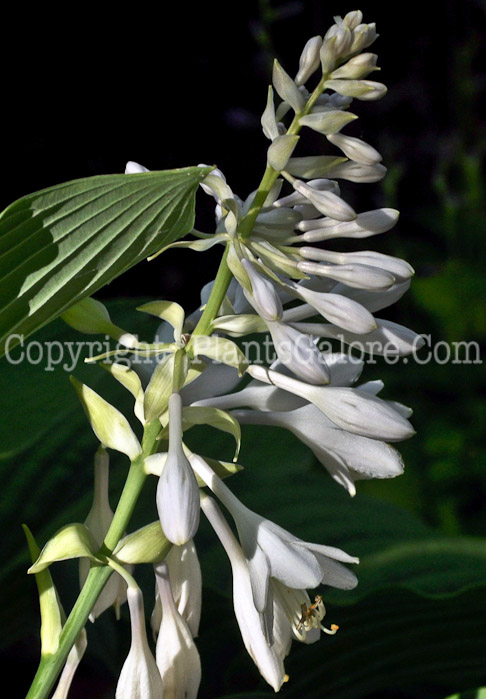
{"points": [[279, 276]]}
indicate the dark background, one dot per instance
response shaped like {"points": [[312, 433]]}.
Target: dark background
{"points": [[87, 89]]}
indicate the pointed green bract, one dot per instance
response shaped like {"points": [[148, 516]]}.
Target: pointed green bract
{"points": [[72, 541], [50, 610], [109, 425], [61, 244], [146, 545]]}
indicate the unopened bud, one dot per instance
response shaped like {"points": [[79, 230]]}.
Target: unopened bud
{"points": [[309, 60]]}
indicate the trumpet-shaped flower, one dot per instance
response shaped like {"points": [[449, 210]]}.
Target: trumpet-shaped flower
{"points": [[271, 551], [186, 584], [177, 656], [140, 677], [268, 657]]}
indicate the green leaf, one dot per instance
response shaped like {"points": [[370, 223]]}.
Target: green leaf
{"points": [[470, 694], [215, 417], [61, 244]]}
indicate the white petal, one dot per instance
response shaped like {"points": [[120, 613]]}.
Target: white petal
{"points": [[133, 168], [299, 353]]}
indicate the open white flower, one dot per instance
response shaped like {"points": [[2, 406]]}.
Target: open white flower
{"points": [[177, 656], [271, 551], [268, 657], [348, 457]]}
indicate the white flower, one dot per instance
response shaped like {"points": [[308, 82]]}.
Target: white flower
{"points": [[268, 657], [74, 658], [271, 551], [177, 656], [186, 583], [177, 490], [351, 410], [348, 457], [98, 522], [140, 677]]}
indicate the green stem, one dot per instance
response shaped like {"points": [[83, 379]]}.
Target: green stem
{"points": [[51, 665], [218, 292]]}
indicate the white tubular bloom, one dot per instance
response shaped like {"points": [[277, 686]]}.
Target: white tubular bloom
{"points": [[299, 353], [337, 309], [176, 654], [268, 657], [348, 457], [140, 677], [271, 551], [74, 658], [365, 225], [264, 297], [309, 60], [355, 149], [177, 490], [388, 339], [349, 409], [327, 203], [98, 522], [355, 275], [186, 584]]}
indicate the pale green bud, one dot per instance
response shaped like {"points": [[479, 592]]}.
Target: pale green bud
{"points": [[309, 60], [366, 90], [355, 149], [363, 36], [91, 316], [358, 67]]}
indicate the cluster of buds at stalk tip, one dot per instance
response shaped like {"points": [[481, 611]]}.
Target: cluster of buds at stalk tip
{"points": [[288, 284]]}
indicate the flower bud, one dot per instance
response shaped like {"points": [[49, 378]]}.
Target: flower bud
{"points": [[326, 202], [133, 168], [177, 491], [363, 36], [357, 67], [361, 89], [309, 60], [355, 149], [263, 297]]}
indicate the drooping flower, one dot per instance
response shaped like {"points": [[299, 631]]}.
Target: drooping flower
{"points": [[177, 490], [140, 677], [177, 656], [98, 522], [268, 657], [186, 584], [271, 551]]}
